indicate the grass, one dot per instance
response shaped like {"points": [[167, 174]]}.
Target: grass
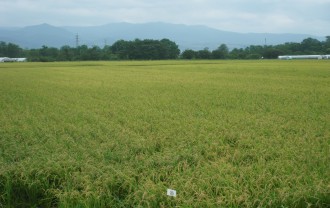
{"points": [[118, 134]]}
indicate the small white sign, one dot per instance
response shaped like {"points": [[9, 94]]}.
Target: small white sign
{"points": [[171, 192]]}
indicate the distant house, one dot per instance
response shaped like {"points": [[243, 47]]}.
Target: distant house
{"points": [[289, 57]]}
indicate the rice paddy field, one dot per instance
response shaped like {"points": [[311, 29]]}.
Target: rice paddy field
{"points": [[119, 134]]}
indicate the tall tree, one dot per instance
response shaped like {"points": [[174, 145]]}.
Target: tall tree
{"points": [[169, 49], [221, 52], [121, 49], [311, 46]]}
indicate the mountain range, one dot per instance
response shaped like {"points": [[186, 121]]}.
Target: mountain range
{"points": [[186, 36]]}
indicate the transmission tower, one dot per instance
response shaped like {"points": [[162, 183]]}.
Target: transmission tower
{"points": [[77, 40]]}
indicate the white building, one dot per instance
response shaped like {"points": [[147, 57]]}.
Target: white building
{"points": [[3, 59], [6, 59], [20, 59], [289, 57]]}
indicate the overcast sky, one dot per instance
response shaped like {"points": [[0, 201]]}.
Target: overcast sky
{"points": [[265, 16]]}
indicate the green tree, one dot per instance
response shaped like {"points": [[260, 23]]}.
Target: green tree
{"points": [[254, 51], [145, 49], [327, 45], [189, 54], [237, 53], [48, 54], [271, 53], [66, 53], [107, 54], [13, 50], [95, 53], [3, 49], [121, 49], [83, 53], [311, 46], [33, 55], [221, 52], [204, 54], [169, 49]]}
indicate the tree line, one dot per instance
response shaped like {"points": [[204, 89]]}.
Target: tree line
{"points": [[309, 46], [121, 50], [161, 50]]}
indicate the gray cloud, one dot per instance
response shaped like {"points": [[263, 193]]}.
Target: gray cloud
{"points": [[272, 16]]}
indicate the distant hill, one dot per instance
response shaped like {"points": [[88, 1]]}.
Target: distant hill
{"points": [[37, 36], [186, 36]]}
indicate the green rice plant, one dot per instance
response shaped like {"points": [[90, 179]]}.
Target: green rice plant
{"points": [[119, 134]]}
